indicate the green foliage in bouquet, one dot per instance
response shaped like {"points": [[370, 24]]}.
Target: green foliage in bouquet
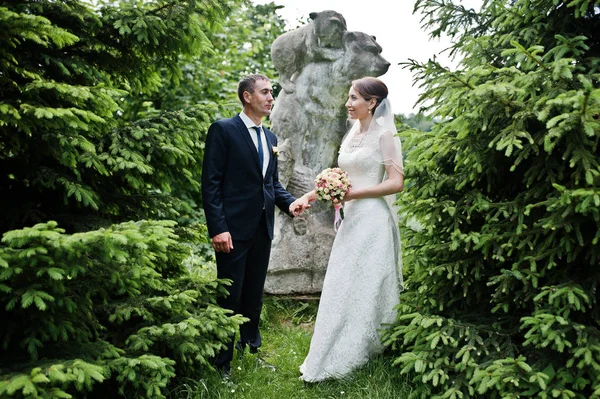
{"points": [[112, 310], [504, 264]]}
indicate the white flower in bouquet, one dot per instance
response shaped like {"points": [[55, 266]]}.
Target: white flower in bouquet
{"points": [[332, 184]]}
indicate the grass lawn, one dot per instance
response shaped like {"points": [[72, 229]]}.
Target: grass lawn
{"points": [[286, 331]]}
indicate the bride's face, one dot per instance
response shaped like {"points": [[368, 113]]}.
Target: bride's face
{"points": [[358, 107]]}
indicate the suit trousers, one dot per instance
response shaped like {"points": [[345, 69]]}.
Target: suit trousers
{"points": [[246, 265]]}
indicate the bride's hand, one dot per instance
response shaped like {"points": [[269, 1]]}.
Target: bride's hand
{"points": [[303, 203], [349, 196], [311, 196]]}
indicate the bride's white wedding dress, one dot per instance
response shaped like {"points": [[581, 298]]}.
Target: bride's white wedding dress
{"points": [[363, 279]]}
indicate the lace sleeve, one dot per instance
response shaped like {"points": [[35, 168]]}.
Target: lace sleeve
{"points": [[391, 150]]}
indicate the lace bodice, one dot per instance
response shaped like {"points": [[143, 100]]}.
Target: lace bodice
{"points": [[363, 163]]}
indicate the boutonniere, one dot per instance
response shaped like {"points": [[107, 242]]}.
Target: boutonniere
{"points": [[275, 151]]}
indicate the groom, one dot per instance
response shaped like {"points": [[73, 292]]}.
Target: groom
{"points": [[240, 188]]}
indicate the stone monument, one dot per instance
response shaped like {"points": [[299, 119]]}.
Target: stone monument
{"points": [[317, 64]]}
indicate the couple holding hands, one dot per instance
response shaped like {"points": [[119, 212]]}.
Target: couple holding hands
{"points": [[240, 189]]}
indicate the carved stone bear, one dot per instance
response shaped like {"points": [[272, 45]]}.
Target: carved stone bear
{"points": [[314, 117], [312, 121], [362, 57], [319, 40]]}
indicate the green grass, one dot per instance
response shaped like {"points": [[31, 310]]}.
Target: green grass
{"points": [[286, 330]]}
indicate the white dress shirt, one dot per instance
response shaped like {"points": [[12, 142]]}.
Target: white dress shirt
{"points": [[265, 145]]}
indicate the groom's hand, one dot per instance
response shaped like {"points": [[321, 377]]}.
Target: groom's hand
{"points": [[299, 206], [222, 242]]}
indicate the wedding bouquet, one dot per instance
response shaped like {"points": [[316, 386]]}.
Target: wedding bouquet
{"points": [[332, 184]]}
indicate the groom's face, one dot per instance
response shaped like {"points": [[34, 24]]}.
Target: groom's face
{"points": [[260, 101]]}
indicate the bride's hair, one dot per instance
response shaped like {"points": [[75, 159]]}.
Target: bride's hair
{"points": [[370, 87]]}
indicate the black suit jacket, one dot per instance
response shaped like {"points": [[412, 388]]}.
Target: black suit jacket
{"points": [[234, 190]]}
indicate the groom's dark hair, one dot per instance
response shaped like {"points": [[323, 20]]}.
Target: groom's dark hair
{"points": [[247, 84]]}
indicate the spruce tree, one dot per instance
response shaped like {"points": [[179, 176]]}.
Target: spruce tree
{"points": [[66, 69], [99, 292], [503, 270]]}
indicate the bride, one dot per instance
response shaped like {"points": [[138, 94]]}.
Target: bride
{"points": [[364, 274]]}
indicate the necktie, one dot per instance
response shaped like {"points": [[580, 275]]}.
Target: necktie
{"points": [[260, 149]]}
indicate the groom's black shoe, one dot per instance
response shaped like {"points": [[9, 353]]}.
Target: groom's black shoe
{"points": [[253, 351], [242, 348], [225, 371]]}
